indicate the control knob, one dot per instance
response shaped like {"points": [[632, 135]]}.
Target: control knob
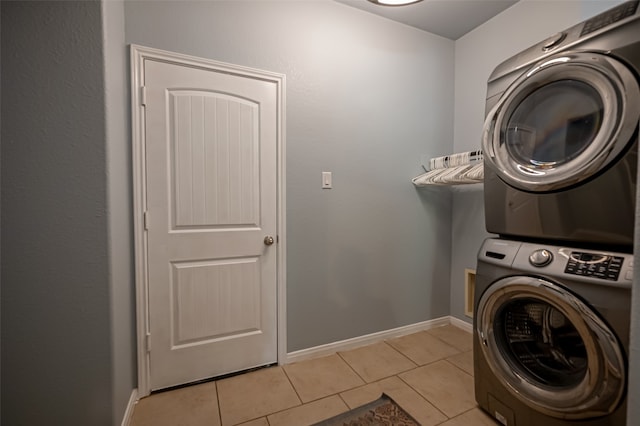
{"points": [[553, 41], [541, 257]]}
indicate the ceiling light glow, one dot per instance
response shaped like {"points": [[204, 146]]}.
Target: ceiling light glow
{"points": [[394, 2]]}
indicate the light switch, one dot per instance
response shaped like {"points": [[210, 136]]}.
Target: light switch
{"points": [[326, 180]]}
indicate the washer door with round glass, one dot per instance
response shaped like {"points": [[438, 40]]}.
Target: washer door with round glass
{"points": [[562, 122], [549, 349]]}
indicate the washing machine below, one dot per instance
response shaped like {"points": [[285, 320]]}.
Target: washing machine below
{"points": [[561, 136], [551, 334]]}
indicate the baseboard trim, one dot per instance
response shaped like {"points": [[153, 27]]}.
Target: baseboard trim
{"points": [[128, 413], [462, 324], [348, 344]]}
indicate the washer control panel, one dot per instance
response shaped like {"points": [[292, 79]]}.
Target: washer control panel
{"points": [[567, 264], [594, 265]]}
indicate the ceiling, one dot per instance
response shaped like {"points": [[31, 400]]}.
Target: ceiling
{"points": [[448, 18]]}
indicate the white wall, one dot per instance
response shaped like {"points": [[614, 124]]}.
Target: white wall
{"points": [[366, 98]]}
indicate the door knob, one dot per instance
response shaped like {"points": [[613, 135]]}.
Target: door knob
{"points": [[268, 240]]}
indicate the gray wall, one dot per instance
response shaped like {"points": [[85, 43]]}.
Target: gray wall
{"points": [[56, 355], [366, 98], [67, 295], [119, 203]]}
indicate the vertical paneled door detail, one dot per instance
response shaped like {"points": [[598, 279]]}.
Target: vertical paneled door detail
{"points": [[210, 156]]}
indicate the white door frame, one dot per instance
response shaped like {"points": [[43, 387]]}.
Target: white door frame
{"points": [[138, 56]]}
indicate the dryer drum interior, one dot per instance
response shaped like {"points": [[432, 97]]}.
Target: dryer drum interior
{"points": [[550, 350], [554, 124]]}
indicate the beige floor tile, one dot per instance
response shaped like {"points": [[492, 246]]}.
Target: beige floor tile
{"points": [[262, 421], [419, 408], [256, 394], [454, 336], [320, 377], [194, 406], [423, 348], [310, 413], [463, 361], [444, 385], [475, 417], [377, 361]]}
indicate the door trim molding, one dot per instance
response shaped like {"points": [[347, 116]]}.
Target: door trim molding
{"points": [[138, 54]]}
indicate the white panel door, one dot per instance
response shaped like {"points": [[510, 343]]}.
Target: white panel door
{"points": [[211, 146]]}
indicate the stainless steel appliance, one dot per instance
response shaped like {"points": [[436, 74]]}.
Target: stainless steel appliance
{"points": [[561, 136], [551, 334]]}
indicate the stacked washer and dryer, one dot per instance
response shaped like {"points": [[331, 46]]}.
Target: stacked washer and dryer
{"points": [[553, 290]]}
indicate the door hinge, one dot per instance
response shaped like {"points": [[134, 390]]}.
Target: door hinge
{"points": [[143, 96], [146, 220], [148, 342]]}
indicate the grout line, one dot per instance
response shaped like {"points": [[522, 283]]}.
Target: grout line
{"points": [[343, 400], [218, 401], [447, 343], [266, 416], [351, 367], [401, 353], [424, 397], [465, 412], [451, 363], [298, 406], [292, 385]]}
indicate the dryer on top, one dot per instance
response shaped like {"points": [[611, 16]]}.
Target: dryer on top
{"points": [[561, 135]]}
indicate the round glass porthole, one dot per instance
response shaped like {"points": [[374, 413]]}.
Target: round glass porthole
{"points": [[541, 342], [562, 122], [554, 124], [550, 350]]}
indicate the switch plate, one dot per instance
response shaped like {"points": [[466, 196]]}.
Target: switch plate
{"points": [[326, 180]]}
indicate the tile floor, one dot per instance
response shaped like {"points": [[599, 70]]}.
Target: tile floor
{"points": [[429, 373]]}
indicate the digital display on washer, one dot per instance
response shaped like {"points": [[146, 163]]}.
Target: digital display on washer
{"points": [[609, 17], [594, 265]]}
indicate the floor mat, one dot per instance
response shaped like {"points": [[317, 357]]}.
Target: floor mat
{"points": [[381, 412]]}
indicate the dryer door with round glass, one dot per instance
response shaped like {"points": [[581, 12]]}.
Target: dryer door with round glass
{"points": [[562, 122], [551, 350]]}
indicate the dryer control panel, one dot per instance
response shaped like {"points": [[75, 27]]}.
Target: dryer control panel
{"points": [[594, 265], [609, 17]]}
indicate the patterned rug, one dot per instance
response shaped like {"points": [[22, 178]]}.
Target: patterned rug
{"points": [[381, 412]]}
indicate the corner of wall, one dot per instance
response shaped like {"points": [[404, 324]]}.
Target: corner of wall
{"points": [[119, 210]]}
